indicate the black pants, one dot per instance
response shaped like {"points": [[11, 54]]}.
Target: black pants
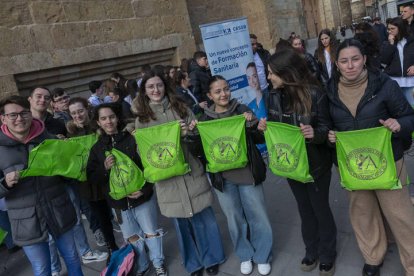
{"points": [[318, 225], [101, 209]]}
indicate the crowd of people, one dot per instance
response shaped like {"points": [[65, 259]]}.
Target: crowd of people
{"points": [[363, 82]]}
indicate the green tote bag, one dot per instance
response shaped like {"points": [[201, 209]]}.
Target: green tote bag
{"points": [[287, 152], [161, 152], [366, 160], [224, 143]]}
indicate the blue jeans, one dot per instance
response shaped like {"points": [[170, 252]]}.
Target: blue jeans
{"points": [[81, 239], [408, 93], [39, 255], [244, 208], [139, 222], [199, 240], [5, 225]]}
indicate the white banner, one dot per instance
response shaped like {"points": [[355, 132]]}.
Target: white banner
{"points": [[229, 53]]}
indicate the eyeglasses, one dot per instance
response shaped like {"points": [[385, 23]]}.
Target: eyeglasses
{"points": [[152, 86], [61, 99], [13, 116]]}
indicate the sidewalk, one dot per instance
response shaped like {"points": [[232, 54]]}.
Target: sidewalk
{"points": [[288, 248]]}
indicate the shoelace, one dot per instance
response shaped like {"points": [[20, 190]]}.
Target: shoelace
{"points": [[160, 270]]}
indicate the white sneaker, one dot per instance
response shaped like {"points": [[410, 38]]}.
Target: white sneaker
{"points": [[94, 256], [264, 269], [246, 267], [56, 273]]}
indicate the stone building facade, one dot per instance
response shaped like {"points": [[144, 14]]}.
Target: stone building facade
{"points": [[67, 43]]}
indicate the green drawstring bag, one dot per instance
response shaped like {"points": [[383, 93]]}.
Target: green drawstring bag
{"points": [[287, 152], [224, 143], [3, 235], [57, 157], [366, 160], [161, 152], [125, 177], [86, 140]]}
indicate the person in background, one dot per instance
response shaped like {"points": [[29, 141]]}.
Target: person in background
{"points": [[199, 75], [120, 82], [240, 191], [125, 105], [325, 54], [357, 93], [298, 99], [260, 58], [380, 29], [311, 62], [97, 91], [397, 55], [407, 15], [144, 69], [182, 84], [37, 205], [60, 100], [186, 199]]}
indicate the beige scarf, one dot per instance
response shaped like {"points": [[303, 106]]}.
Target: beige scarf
{"points": [[351, 92]]}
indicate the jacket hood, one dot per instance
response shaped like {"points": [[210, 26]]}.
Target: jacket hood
{"points": [[210, 112], [36, 129]]}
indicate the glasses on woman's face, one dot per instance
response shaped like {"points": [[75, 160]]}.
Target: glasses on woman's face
{"points": [[13, 116], [152, 87]]}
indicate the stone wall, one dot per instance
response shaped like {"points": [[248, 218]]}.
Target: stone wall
{"points": [[358, 9], [42, 36]]}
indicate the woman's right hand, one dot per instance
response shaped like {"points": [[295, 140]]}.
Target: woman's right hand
{"points": [[332, 136], [391, 39], [12, 178], [109, 162], [262, 124], [203, 105]]}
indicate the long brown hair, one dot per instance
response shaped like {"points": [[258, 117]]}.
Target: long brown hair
{"points": [[297, 79], [320, 55], [142, 108]]}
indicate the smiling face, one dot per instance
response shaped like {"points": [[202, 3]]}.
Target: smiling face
{"points": [[61, 103], [155, 89], [220, 94], [351, 63], [252, 78], [79, 113], [277, 82], [325, 40], [39, 100], [108, 121], [17, 119]]}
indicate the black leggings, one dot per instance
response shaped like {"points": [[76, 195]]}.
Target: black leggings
{"points": [[103, 212]]}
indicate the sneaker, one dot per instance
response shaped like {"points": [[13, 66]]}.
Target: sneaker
{"points": [[161, 271], [56, 273], [264, 269], [246, 267], [142, 273], [94, 256], [327, 269], [99, 238], [308, 264], [115, 227]]}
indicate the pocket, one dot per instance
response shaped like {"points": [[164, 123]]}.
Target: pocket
{"points": [[25, 224], [63, 211]]}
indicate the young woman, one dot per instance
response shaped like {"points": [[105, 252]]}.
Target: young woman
{"points": [[361, 98], [186, 199], [398, 56], [298, 100], [311, 62], [325, 54], [136, 213], [239, 191]]}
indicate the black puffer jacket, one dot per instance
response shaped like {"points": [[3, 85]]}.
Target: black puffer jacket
{"points": [[382, 100], [199, 80], [390, 57], [36, 205], [319, 155], [98, 176], [256, 164]]}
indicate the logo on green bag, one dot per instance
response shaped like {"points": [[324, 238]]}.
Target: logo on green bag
{"points": [[285, 158], [366, 163], [123, 173], [162, 155], [225, 150]]}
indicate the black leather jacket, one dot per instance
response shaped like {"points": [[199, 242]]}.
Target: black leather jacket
{"points": [[382, 99], [319, 155]]}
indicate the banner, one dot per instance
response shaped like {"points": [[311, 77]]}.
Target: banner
{"points": [[224, 143], [160, 151], [366, 160], [125, 176], [57, 157], [287, 151]]}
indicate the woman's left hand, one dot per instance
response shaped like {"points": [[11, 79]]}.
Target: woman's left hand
{"points": [[135, 195], [248, 116], [307, 131], [392, 124], [184, 128], [192, 125], [410, 70]]}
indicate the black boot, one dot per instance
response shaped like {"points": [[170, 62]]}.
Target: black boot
{"points": [[371, 270]]}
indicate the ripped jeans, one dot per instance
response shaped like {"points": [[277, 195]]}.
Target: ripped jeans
{"points": [[137, 224]]}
